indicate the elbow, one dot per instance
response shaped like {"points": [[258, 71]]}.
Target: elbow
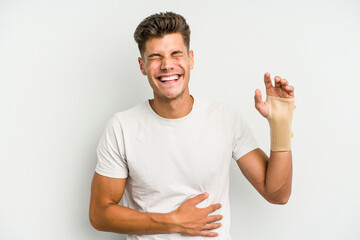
{"points": [[282, 201], [94, 220], [98, 216], [279, 199]]}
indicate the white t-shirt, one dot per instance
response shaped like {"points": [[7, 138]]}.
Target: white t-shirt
{"points": [[167, 161]]}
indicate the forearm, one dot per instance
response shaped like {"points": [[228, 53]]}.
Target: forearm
{"points": [[279, 169], [274, 179], [106, 215], [119, 219], [279, 177]]}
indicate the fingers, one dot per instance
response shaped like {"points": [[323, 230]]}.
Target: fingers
{"points": [[284, 84], [213, 218], [258, 96], [194, 221], [281, 88], [198, 198], [267, 80], [210, 226], [212, 208], [277, 80], [290, 90], [208, 234]]}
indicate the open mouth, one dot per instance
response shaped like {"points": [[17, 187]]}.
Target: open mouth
{"points": [[169, 78]]}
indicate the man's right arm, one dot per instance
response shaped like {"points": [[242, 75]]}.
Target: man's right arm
{"points": [[106, 215]]}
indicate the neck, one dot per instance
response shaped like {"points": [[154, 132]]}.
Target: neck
{"points": [[172, 109]]}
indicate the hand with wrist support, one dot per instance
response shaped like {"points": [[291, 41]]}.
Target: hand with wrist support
{"points": [[278, 110], [280, 118]]}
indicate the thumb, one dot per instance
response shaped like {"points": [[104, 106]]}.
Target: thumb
{"points": [[258, 99]]}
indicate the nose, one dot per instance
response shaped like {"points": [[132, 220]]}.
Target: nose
{"points": [[167, 64]]}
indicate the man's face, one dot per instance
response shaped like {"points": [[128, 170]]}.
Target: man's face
{"points": [[167, 63]]}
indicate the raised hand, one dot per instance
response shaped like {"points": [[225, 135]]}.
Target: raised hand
{"points": [[193, 221], [281, 89]]}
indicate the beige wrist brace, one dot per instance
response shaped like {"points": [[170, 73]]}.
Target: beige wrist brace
{"points": [[280, 118]]}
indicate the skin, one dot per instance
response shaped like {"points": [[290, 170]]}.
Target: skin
{"points": [[165, 57], [270, 176]]}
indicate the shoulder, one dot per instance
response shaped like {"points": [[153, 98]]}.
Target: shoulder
{"points": [[135, 112], [210, 105], [215, 107], [124, 118]]}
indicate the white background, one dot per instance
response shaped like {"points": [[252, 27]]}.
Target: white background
{"points": [[67, 66]]}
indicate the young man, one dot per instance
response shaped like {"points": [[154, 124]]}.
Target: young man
{"points": [[171, 155]]}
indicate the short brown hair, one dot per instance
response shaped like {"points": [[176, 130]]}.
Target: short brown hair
{"points": [[160, 24]]}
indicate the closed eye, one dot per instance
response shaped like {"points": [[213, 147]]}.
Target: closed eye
{"points": [[154, 56], [177, 54]]}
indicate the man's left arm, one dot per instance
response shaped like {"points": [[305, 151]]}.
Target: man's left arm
{"points": [[272, 177]]}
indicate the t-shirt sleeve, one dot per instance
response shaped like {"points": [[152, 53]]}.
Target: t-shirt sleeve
{"points": [[111, 152], [244, 140]]}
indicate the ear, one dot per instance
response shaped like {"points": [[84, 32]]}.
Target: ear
{"points": [[191, 56], [142, 64]]}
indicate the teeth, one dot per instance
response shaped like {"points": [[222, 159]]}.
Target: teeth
{"points": [[174, 77]]}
